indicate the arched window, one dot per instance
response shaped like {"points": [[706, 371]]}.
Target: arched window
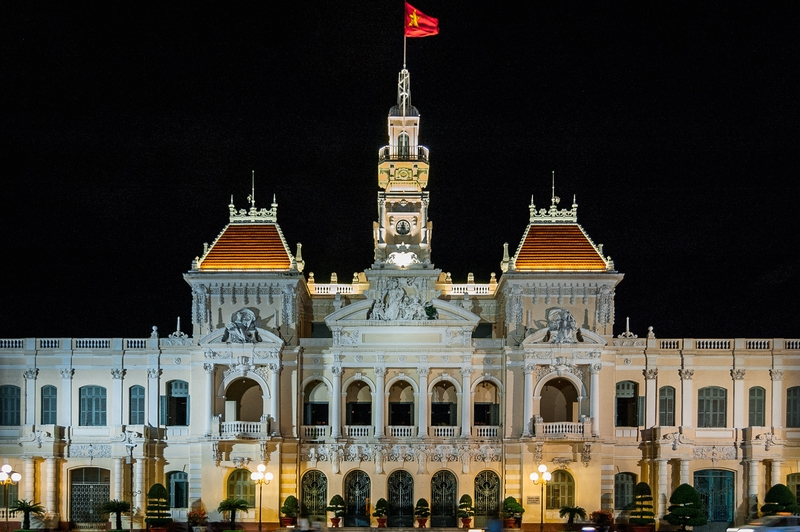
{"points": [[240, 486], [793, 483], [560, 490], [712, 407], [623, 490], [315, 411], [137, 405], [793, 407], [9, 405], [92, 406], [758, 397], [444, 405], [178, 486], [666, 406], [402, 144], [175, 405], [49, 405], [628, 408]]}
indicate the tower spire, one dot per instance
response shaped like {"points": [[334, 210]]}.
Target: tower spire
{"points": [[404, 91]]}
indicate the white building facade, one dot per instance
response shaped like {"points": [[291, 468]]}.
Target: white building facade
{"points": [[400, 384]]}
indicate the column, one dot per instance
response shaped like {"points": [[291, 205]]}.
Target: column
{"points": [[65, 394], [466, 401], [116, 396], [422, 402], [776, 472], [738, 398], [336, 407], [51, 497], [380, 376], [663, 492], [139, 489], [752, 489], [777, 397], [687, 397], [594, 407], [275, 397], [527, 403], [651, 398], [30, 477], [30, 396], [118, 478], [152, 397], [684, 471], [210, 397]]}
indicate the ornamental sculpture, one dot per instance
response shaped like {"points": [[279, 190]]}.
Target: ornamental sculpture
{"points": [[562, 326], [242, 328]]}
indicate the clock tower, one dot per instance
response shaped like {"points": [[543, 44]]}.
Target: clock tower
{"points": [[402, 233]]}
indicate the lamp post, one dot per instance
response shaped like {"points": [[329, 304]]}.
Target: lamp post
{"points": [[261, 479], [541, 478], [8, 477], [131, 446]]}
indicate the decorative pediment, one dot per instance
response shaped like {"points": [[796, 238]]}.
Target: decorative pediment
{"points": [[361, 314], [267, 341], [582, 336]]}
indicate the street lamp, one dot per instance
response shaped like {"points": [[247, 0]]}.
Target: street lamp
{"points": [[8, 477], [130, 446], [541, 478], [261, 479]]}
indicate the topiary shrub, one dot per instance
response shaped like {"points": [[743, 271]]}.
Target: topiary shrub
{"points": [[642, 514], [686, 508], [779, 498]]}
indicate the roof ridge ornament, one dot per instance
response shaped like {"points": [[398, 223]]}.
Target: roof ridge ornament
{"points": [[254, 215]]}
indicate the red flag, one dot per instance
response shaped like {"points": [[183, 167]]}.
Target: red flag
{"points": [[418, 24]]}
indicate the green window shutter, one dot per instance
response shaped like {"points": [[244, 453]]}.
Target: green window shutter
{"points": [[162, 404]]}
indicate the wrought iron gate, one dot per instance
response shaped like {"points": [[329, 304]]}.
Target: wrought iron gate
{"points": [[90, 488], [487, 498], [443, 499], [401, 499], [715, 487], [315, 495], [356, 493]]}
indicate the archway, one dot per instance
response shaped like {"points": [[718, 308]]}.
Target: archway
{"points": [[314, 495], [401, 499], [244, 401], [356, 493], [487, 498], [559, 401], [444, 489]]}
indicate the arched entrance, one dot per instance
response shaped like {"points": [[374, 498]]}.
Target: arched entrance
{"points": [[244, 401], [401, 499], [356, 493], [90, 488], [443, 499], [716, 489], [559, 401], [487, 498], [314, 495]]}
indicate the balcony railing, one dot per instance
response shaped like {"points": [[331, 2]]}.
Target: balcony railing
{"points": [[418, 153], [486, 431], [243, 429], [359, 431], [402, 432], [563, 429], [316, 432], [445, 432]]}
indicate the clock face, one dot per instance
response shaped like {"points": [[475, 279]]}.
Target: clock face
{"points": [[403, 227]]}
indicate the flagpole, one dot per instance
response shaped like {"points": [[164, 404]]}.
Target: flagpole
{"points": [[404, 50]]}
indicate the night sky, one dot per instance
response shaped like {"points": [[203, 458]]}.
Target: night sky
{"points": [[126, 128]]}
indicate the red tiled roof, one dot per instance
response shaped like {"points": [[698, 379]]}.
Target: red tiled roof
{"points": [[248, 247], [562, 247]]}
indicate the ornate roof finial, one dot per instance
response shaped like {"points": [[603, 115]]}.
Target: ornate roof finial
{"points": [[252, 197], [554, 200], [404, 90]]}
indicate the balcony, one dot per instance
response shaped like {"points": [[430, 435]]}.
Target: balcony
{"points": [[420, 153], [445, 432], [486, 431], [359, 431], [402, 431], [563, 430], [316, 432], [243, 429]]}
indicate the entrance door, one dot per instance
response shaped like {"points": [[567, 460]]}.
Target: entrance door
{"points": [[715, 487], [356, 493], [90, 488], [401, 499], [487, 498], [443, 499], [315, 495]]}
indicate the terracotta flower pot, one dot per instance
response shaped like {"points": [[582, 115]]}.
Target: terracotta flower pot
{"points": [[422, 521], [381, 522], [466, 522], [335, 522]]}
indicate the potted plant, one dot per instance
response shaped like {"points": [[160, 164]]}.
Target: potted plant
{"points": [[336, 505], [27, 508], [232, 506], [602, 519], [117, 507], [381, 507], [157, 509], [197, 520], [465, 510], [571, 512], [290, 509], [510, 510], [642, 517], [686, 508], [422, 511], [779, 498]]}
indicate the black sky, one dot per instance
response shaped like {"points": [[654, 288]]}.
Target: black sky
{"points": [[126, 129]]}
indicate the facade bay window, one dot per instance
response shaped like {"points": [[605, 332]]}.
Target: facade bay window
{"points": [[9, 405]]}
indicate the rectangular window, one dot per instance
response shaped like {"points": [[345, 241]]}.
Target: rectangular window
{"points": [[92, 406], [712, 407], [757, 405], [9, 405], [793, 407], [137, 405], [666, 406], [49, 405]]}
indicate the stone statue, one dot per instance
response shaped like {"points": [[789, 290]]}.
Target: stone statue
{"points": [[242, 328]]}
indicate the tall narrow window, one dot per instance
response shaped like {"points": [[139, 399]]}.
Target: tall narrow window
{"points": [[137, 405], [178, 483], [240, 486], [666, 406], [793, 483], [758, 397], [402, 144], [92, 406], [627, 404], [623, 490], [175, 405], [9, 405], [49, 405], [793, 407], [712, 407], [560, 490]]}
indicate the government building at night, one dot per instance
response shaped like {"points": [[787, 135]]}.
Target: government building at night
{"points": [[398, 383]]}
